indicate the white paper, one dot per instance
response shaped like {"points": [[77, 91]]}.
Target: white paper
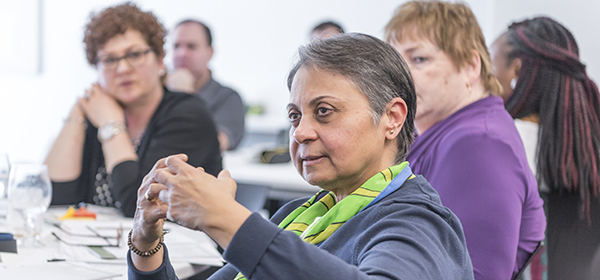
{"points": [[53, 270]]}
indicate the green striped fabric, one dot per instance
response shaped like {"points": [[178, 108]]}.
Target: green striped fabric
{"points": [[316, 220]]}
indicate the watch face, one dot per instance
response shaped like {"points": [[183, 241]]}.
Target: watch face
{"points": [[106, 132]]}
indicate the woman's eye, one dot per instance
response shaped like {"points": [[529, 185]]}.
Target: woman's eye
{"points": [[321, 111], [419, 59], [293, 116], [110, 60], [134, 55]]}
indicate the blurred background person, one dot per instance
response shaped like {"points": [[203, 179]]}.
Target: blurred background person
{"points": [[352, 106], [128, 120], [326, 30], [557, 112], [192, 50], [467, 144]]}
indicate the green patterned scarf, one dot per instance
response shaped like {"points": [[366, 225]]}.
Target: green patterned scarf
{"points": [[320, 216]]}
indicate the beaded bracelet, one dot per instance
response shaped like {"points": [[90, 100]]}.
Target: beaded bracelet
{"points": [[148, 253]]}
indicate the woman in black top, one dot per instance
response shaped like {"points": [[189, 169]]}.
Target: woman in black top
{"points": [[128, 120]]}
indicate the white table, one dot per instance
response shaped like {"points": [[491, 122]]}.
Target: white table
{"points": [[32, 263], [281, 180]]}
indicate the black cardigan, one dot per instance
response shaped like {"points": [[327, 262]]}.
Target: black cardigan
{"points": [[180, 124]]}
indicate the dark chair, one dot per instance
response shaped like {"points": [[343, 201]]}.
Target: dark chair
{"points": [[528, 262]]}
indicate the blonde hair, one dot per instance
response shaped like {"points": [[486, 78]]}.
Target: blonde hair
{"points": [[452, 27]]}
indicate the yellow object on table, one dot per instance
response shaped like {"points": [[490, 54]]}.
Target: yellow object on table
{"points": [[80, 213]]}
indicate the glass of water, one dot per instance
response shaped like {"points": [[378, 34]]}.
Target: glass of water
{"points": [[29, 195]]}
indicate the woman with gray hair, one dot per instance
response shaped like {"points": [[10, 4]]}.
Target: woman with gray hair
{"points": [[352, 107]]}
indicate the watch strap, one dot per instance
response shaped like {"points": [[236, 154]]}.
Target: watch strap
{"points": [[110, 129]]}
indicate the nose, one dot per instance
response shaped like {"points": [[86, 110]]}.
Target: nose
{"points": [[304, 132], [122, 66]]}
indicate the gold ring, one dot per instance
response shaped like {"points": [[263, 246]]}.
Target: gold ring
{"points": [[149, 198]]}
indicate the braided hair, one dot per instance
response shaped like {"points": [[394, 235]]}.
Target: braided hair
{"points": [[552, 83]]}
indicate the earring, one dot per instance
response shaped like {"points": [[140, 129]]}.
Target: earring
{"points": [[513, 83], [469, 88], [161, 72], [392, 131]]}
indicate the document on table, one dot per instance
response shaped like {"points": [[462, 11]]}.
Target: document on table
{"points": [[53, 270], [184, 245]]}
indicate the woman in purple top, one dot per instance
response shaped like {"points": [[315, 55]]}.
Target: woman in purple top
{"points": [[467, 144]]}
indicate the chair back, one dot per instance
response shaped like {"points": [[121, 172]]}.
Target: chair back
{"points": [[528, 262]]}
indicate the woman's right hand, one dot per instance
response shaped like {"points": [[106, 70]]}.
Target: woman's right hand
{"points": [[100, 108], [151, 212], [149, 221]]}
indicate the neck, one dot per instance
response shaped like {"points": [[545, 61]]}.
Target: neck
{"points": [[203, 80], [477, 93], [138, 115], [346, 188]]}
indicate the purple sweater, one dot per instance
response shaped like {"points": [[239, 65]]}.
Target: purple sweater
{"points": [[476, 161]]}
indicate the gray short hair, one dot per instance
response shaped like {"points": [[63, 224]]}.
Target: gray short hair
{"points": [[374, 67]]}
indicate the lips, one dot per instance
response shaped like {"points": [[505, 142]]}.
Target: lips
{"points": [[180, 64], [311, 159], [125, 83]]}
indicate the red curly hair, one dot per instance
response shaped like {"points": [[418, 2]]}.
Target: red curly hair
{"points": [[118, 19]]}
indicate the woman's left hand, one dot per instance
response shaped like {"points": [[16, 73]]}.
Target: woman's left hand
{"points": [[101, 108], [200, 201]]}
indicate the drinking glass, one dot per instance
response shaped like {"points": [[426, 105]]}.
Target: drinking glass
{"points": [[29, 195], [4, 169]]}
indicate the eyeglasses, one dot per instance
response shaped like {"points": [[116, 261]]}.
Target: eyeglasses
{"points": [[133, 58], [95, 235]]}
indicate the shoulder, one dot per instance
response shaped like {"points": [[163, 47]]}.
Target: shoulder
{"points": [[223, 89], [416, 194], [179, 103], [224, 94], [487, 127], [415, 213]]}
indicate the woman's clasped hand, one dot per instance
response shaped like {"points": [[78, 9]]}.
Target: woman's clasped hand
{"points": [[191, 197]]}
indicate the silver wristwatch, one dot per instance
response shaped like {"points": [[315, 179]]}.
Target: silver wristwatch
{"points": [[110, 130]]}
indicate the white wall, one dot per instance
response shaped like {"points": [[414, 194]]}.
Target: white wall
{"points": [[579, 16], [255, 43]]}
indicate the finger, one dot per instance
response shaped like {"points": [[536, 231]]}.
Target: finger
{"points": [[158, 165], [224, 174], [165, 195], [96, 89], [164, 176], [169, 216], [182, 157], [152, 192], [177, 163], [83, 104], [87, 94], [161, 162]]}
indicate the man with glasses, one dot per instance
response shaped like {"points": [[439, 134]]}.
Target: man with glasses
{"points": [[192, 50]]}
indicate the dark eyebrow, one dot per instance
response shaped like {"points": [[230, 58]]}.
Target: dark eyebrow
{"points": [[316, 100], [291, 106], [311, 103]]}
